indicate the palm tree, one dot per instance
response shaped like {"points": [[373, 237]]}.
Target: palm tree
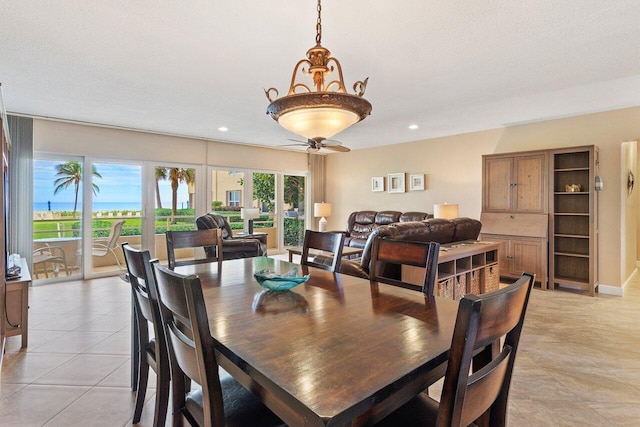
{"points": [[178, 176], [70, 173], [161, 174]]}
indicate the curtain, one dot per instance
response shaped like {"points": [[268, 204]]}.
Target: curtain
{"points": [[317, 178], [21, 182]]}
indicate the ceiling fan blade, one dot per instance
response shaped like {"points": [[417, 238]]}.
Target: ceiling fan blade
{"points": [[331, 143], [294, 145], [340, 148], [297, 140]]}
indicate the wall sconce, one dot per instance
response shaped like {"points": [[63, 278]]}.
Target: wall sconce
{"points": [[250, 214], [446, 211], [322, 210]]}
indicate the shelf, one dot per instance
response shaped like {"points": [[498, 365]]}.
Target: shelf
{"points": [[572, 254], [573, 236], [570, 214], [571, 193], [571, 169], [571, 281]]}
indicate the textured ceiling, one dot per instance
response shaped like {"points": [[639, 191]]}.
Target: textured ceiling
{"points": [[188, 68]]}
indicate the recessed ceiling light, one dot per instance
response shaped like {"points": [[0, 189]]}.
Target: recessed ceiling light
{"points": [[413, 127], [223, 129]]}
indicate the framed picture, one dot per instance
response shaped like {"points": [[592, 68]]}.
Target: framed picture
{"points": [[396, 183], [377, 183], [416, 182]]}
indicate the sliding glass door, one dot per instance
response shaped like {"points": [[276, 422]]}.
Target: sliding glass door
{"points": [[57, 218], [175, 198], [294, 202], [116, 214]]}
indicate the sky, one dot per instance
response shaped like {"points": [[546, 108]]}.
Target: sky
{"points": [[119, 183]]}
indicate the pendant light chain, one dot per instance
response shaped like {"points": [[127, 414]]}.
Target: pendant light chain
{"points": [[319, 25]]}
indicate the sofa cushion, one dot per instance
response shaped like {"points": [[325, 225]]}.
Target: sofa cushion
{"points": [[414, 216], [466, 229]]}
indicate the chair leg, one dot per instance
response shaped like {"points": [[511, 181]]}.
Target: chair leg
{"points": [[162, 399], [143, 379]]}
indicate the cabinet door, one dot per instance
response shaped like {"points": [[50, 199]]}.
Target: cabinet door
{"points": [[498, 184], [526, 257], [504, 253], [530, 173]]}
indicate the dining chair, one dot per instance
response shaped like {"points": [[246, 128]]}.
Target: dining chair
{"points": [[323, 241], [482, 323], [152, 352], [105, 246], [389, 255], [192, 357], [211, 239]]}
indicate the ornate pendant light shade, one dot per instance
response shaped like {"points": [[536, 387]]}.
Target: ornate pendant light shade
{"points": [[329, 109]]}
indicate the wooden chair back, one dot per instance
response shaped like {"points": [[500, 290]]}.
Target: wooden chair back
{"points": [[190, 344], [322, 241], [194, 239], [482, 321], [147, 310], [388, 253]]}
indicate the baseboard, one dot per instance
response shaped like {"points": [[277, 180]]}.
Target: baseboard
{"points": [[610, 290]]}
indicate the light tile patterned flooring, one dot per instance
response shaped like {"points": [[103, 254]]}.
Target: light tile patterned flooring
{"points": [[578, 363]]}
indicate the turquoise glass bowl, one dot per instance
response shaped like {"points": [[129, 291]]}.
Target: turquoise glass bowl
{"points": [[279, 282]]}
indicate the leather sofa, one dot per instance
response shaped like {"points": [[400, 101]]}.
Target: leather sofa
{"points": [[361, 223], [232, 247], [430, 230]]}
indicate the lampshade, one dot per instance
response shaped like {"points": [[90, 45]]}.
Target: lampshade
{"points": [[324, 109], [249, 213], [321, 209], [317, 122], [446, 211]]}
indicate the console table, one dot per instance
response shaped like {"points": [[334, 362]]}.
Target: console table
{"points": [[17, 301], [469, 266]]}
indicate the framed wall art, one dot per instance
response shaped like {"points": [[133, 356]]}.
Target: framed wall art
{"points": [[377, 183], [416, 182], [396, 182]]}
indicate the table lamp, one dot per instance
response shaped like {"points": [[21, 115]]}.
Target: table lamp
{"points": [[446, 211], [250, 214], [322, 210]]}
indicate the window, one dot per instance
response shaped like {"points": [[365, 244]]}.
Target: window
{"points": [[233, 198]]}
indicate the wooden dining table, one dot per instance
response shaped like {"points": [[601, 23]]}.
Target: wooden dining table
{"points": [[334, 350]]}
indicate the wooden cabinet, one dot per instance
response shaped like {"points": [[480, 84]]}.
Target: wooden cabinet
{"points": [[524, 243], [520, 254], [16, 321], [515, 183], [573, 225]]}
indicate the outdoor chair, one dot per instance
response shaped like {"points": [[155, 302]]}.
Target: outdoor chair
{"points": [[483, 323], [388, 256], [217, 402], [105, 246], [49, 259]]}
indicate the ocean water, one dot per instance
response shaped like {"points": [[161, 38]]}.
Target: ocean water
{"points": [[97, 207]]}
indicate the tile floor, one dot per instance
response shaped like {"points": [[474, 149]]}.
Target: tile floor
{"points": [[578, 363]]}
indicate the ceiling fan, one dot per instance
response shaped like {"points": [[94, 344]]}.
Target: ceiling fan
{"points": [[316, 144]]}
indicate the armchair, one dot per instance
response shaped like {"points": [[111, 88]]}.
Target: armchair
{"points": [[232, 247]]}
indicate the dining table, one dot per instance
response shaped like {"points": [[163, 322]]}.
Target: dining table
{"points": [[334, 350]]}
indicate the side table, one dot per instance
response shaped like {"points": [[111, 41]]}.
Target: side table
{"points": [[17, 301]]}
